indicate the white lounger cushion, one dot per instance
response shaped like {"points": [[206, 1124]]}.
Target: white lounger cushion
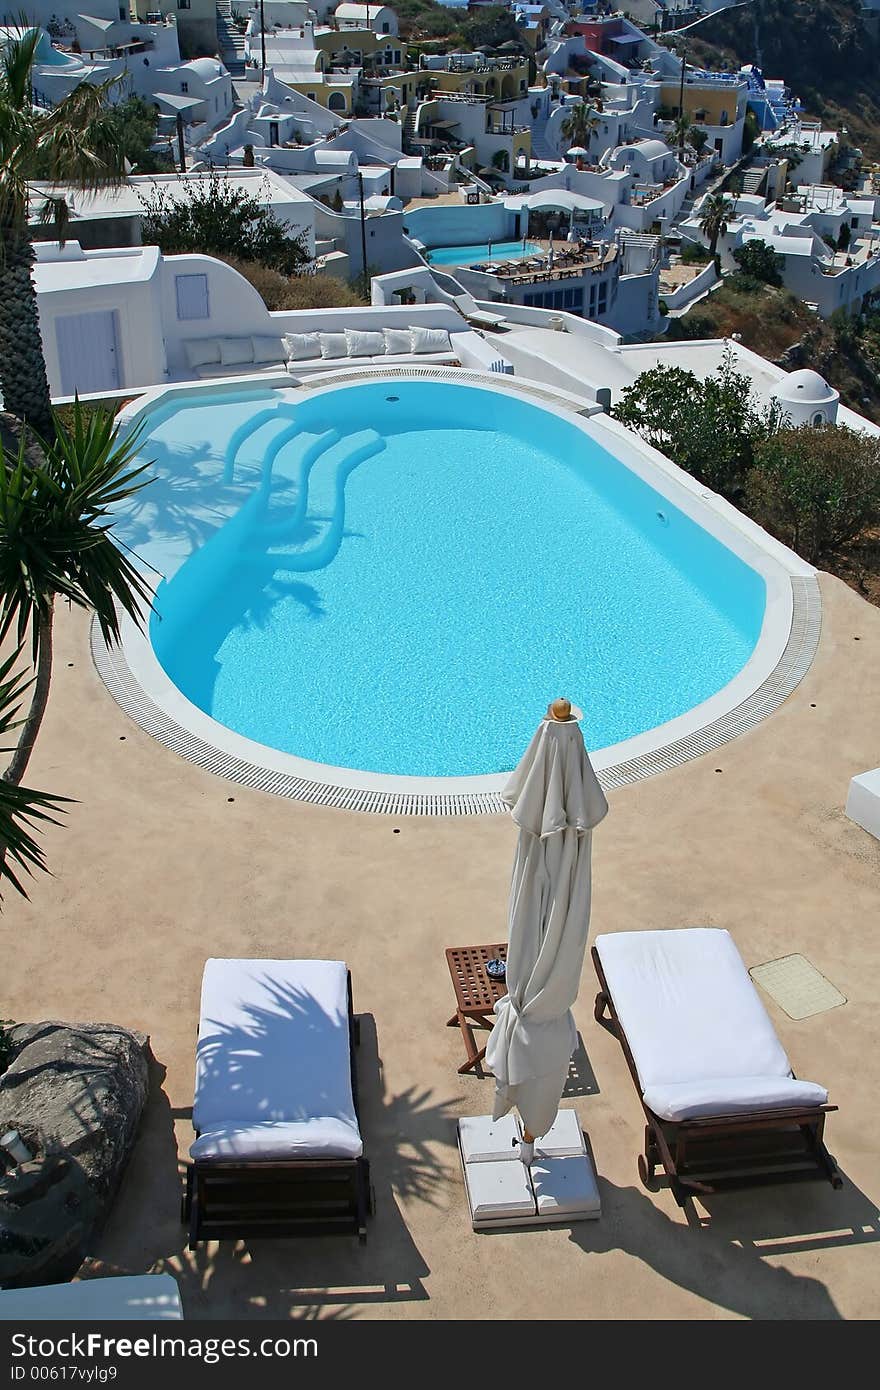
{"points": [[327, 1137], [701, 1039], [123, 1298], [273, 1051], [691, 1099]]}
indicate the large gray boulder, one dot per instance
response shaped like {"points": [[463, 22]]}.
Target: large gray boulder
{"points": [[75, 1093]]}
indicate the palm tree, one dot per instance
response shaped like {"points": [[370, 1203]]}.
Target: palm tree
{"points": [[715, 214], [22, 812], [75, 143], [579, 125], [55, 540], [680, 127], [698, 139]]}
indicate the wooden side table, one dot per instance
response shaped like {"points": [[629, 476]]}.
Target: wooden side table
{"points": [[475, 996]]}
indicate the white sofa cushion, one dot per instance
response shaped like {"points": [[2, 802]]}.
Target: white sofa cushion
{"points": [[301, 346], [235, 350], [267, 349], [200, 352], [430, 340], [273, 1050], [398, 340], [326, 1137], [729, 1096], [692, 1015], [333, 345], [362, 343]]}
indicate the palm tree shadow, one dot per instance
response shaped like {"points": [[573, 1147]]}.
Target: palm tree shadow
{"points": [[306, 1277]]}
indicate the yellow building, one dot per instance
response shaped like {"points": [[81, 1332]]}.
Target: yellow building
{"points": [[707, 103], [506, 82]]}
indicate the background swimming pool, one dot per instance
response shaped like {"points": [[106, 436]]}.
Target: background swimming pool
{"points": [[487, 251], [396, 577]]}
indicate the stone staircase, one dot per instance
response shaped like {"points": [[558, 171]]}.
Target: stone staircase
{"points": [[409, 129], [541, 147], [753, 180], [232, 50]]}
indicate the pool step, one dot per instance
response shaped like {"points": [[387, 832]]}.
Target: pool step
{"points": [[313, 533], [284, 490], [242, 437]]}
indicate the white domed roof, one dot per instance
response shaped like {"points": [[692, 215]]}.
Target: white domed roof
{"points": [[805, 385], [204, 67], [651, 149]]}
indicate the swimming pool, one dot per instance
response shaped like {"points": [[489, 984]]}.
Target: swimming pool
{"points": [[392, 578], [487, 251]]}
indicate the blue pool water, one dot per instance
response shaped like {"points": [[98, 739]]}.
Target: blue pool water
{"points": [[397, 577], [472, 255]]}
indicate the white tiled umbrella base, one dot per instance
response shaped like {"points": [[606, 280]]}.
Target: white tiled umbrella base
{"points": [[559, 1186]]}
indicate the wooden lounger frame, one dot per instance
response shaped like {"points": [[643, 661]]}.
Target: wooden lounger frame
{"points": [[304, 1196], [702, 1156]]}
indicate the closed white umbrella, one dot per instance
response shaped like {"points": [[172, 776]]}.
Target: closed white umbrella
{"points": [[555, 798]]}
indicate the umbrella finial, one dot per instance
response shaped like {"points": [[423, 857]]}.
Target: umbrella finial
{"points": [[559, 709]]}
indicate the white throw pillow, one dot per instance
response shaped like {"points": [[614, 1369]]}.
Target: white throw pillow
{"points": [[201, 352], [333, 344], [301, 346], [397, 340], [430, 340], [364, 344], [236, 350], [267, 349]]}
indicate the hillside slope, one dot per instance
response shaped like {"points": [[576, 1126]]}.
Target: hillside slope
{"points": [[825, 51]]}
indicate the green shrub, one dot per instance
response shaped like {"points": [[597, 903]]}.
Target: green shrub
{"points": [[759, 262], [694, 254], [817, 487], [215, 218], [269, 284], [280, 292]]}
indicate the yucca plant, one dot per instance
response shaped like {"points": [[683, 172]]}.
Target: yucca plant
{"points": [[55, 541], [23, 812], [76, 143]]}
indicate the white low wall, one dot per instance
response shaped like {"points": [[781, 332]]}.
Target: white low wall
{"points": [[581, 328], [685, 294]]}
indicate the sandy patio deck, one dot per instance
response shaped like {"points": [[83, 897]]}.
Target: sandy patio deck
{"points": [[161, 865]]}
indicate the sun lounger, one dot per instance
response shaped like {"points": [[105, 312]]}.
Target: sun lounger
{"points": [[279, 1148], [723, 1108], [126, 1298]]}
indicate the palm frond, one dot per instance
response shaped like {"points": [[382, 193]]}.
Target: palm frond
{"points": [[23, 811], [78, 143], [55, 212], [56, 527], [16, 66]]}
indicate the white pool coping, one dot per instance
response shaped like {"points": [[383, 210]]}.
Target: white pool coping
{"points": [[782, 654]]}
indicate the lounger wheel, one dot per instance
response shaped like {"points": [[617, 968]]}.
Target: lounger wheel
{"points": [[646, 1172]]}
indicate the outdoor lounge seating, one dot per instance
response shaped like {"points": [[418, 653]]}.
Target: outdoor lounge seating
{"points": [[209, 358], [278, 1148], [723, 1108]]}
